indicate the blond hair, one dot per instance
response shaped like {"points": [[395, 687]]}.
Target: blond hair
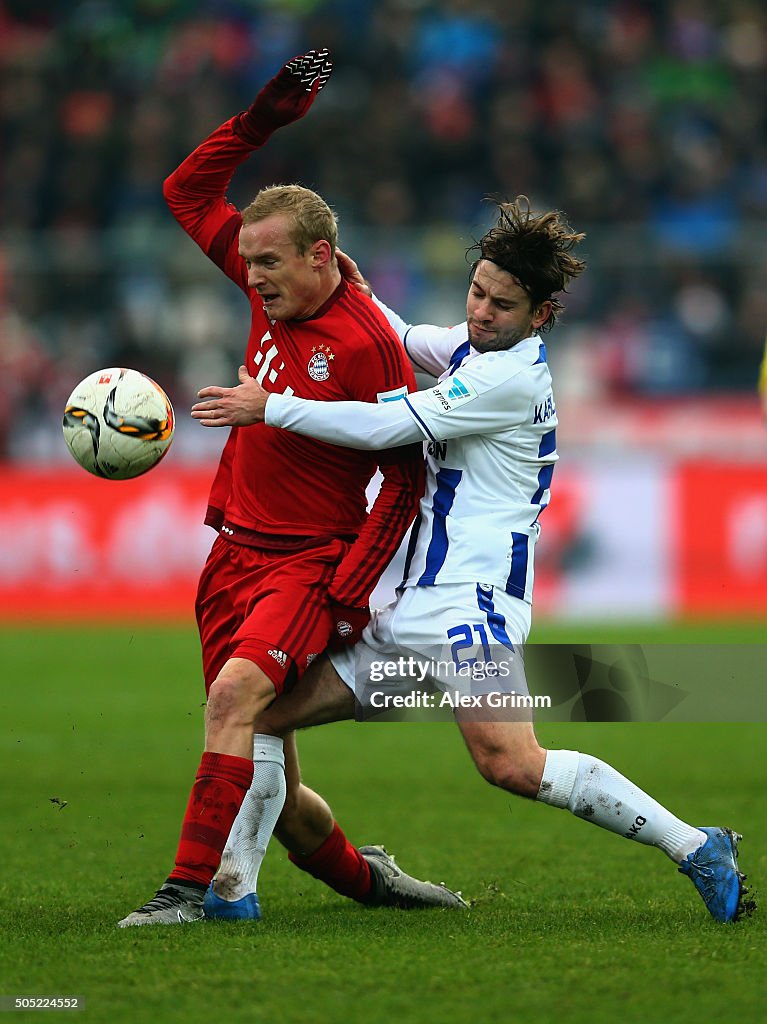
{"points": [[311, 218]]}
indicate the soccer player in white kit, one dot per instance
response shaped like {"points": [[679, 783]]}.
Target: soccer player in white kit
{"points": [[490, 427]]}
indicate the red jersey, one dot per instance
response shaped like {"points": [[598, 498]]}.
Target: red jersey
{"points": [[274, 482]]}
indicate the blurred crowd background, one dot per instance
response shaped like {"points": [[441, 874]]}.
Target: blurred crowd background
{"points": [[645, 122]]}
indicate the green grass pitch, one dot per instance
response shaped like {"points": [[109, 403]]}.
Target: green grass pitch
{"points": [[102, 734]]}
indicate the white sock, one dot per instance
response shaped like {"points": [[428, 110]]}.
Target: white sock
{"points": [[594, 791], [252, 829]]}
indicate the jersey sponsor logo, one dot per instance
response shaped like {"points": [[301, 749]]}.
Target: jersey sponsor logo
{"points": [[279, 656], [458, 390], [319, 363], [544, 409], [263, 360], [452, 393]]}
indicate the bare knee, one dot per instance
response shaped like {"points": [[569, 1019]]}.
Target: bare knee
{"points": [[238, 694]]}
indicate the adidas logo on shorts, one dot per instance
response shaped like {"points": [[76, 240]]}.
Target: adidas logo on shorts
{"points": [[279, 656]]}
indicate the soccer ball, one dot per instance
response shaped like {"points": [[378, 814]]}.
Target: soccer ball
{"points": [[118, 423]]}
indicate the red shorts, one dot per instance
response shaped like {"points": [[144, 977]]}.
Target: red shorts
{"points": [[270, 607]]}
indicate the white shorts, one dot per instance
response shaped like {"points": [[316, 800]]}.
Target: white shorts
{"points": [[465, 638]]}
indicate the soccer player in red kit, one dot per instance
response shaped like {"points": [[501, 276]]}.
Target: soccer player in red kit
{"points": [[297, 555]]}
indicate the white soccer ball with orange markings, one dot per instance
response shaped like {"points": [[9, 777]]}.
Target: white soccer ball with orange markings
{"points": [[118, 423]]}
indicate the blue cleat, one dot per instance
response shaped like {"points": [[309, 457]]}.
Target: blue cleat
{"points": [[713, 869], [246, 909]]}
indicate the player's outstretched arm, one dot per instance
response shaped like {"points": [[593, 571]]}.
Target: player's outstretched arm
{"points": [[196, 191], [362, 425], [287, 97], [493, 401]]}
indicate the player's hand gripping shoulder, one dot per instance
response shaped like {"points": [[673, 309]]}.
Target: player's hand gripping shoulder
{"points": [[239, 406], [287, 96], [352, 273]]}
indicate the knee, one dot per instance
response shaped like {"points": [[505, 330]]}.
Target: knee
{"points": [[239, 693]]}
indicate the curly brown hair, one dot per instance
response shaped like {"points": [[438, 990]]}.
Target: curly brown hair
{"points": [[535, 248]]}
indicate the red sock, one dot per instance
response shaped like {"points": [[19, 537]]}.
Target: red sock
{"points": [[217, 795], [338, 864]]}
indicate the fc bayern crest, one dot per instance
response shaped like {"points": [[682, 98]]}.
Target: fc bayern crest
{"points": [[319, 364]]}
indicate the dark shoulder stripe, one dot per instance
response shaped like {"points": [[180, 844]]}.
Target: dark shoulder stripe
{"points": [[219, 247], [355, 304], [458, 356], [384, 342]]}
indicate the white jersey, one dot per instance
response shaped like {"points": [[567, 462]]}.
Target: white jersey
{"points": [[490, 426]]}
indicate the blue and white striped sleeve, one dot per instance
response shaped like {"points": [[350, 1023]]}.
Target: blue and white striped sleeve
{"points": [[477, 399]]}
